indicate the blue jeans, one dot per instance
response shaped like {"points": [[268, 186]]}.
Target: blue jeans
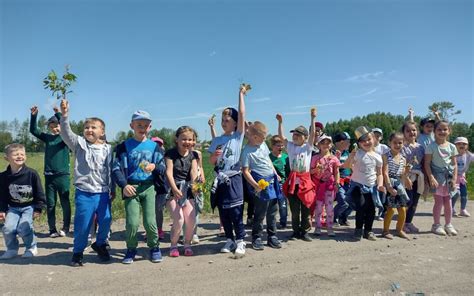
{"points": [[383, 199], [342, 210], [231, 219], [463, 194], [19, 221], [87, 205], [283, 210]]}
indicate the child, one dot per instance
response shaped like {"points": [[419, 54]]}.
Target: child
{"points": [[318, 132], [381, 149], [198, 196], [227, 191], [441, 169], [463, 159], [138, 161], [282, 167], [298, 188], [414, 154], [325, 176], [181, 171], [366, 182], [395, 171], [161, 189], [426, 137], [92, 180], [21, 201], [257, 169], [56, 171], [342, 210]]}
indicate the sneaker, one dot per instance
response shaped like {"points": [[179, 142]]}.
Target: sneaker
{"points": [[344, 223], [188, 251], [195, 239], [465, 213], [54, 234], [31, 252], [240, 250], [331, 232], [370, 236], [387, 235], [155, 255], [174, 252], [161, 234], [402, 234], [455, 214], [62, 233], [305, 237], [410, 228], [249, 223], [281, 226], [257, 244], [129, 256], [438, 229], [9, 254], [449, 228], [379, 219], [317, 231], [274, 242], [101, 251], [294, 236], [107, 244], [76, 260], [358, 234], [229, 246]]}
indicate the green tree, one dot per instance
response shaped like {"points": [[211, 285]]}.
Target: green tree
{"points": [[445, 109]]}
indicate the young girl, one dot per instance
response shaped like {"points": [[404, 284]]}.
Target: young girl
{"points": [[325, 175], [198, 196], [181, 171], [441, 169], [415, 183], [395, 175], [366, 180], [464, 159]]}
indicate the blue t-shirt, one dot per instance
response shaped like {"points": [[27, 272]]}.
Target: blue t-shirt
{"points": [[425, 140], [139, 154], [257, 159], [231, 146], [414, 155], [344, 172]]}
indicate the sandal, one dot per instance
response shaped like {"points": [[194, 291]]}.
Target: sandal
{"points": [[188, 251], [174, 252], [387, 235]]}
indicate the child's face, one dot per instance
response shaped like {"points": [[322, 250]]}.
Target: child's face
{"points": [[93, 131], [16, 158], [140, 127], [343, 145], [442, 131], [298, 139], [318, 131], [410, 133], [185, 141], [277, 148], [367, 144], [228, 124], [428, 128], [54, 128], [325, 145], [377, 138], [462, 147], [255, 138], [396, 144]]}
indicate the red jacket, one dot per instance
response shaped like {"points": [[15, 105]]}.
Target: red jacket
{"points": [[306, 191]]}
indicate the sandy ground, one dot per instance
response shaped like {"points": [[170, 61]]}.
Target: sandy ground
{"points": [[427, 264]]}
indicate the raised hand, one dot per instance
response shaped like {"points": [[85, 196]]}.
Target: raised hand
{"points": [[64, 107], [55, 109], [314, 112], [34, 110], [211, 120], [279, 117]]}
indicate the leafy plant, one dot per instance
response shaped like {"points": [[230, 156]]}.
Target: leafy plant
{"points": [[59, 86]]}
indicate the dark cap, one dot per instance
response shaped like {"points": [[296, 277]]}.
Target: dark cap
{"points": [[341, 137], [300, 130], [52, 119], [426, 120], [319, 124], [233, 113]]}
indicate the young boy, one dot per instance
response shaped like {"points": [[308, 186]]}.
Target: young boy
{"points": [[282, 166], [56, 171], [342, 210], [380, 149], [93, 183], [298, 187], [21, 201], [257, 166], [228, 192], [138, 160]]}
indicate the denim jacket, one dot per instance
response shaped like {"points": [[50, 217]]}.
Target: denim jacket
{"points": [[363, 189]]}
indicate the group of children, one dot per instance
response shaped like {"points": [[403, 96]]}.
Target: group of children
{"points": [[315, 171]]}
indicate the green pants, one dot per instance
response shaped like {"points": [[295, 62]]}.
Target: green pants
{"points": [[146, 198], [58, 185]]}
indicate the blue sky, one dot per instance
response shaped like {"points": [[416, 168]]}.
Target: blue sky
{"points": [[183, 60]]}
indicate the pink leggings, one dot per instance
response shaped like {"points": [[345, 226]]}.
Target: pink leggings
{"points": [[441, 201], [180, 215], [327, 202]]}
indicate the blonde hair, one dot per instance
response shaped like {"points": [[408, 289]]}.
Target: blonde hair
{"points": [[93, 120], [258, 128], [13, 147]]}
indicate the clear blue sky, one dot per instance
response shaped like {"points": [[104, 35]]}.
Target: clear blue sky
{"points": [[183, 60]]}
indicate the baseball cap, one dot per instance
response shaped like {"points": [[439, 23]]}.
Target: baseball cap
{"points": [[318, 124], [324, 137], [52, 119], [426, 120], [141, 115], [300, 130], [341, 137], [461, 140], [377, 130]]}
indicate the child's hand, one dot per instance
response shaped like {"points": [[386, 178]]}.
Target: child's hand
{"points": [[149, 168], [211, 120], [177, 194], [129, 191], [2, 216], [64, 107], [314, 112], [338, 154], [433, 182], [381, 189], [257, 189], [34, 110], [408, 184], [392, 191], [279, 118], [36, 215], [55, 109]]}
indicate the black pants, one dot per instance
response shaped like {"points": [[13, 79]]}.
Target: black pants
{"points": [[413, 203], [268, 209], [365, 210], [232, 220], [248, 198], [300, 214]]}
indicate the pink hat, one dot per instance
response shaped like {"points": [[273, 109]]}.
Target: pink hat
{"points": [[319, 124], [158, 140]]}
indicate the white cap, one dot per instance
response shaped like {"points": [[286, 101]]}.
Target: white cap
{"points": [[461, 140]]}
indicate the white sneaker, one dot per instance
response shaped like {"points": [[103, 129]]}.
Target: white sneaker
{"points": [[195, 239], [438, 229], [465, 213], [449, 228], [31, 252], [331, 232], [9, 254], [240, 251], [229, 246], [62, 233], [54, 235]]}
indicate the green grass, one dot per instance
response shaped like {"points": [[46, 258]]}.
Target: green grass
{"points": [[35, 161]]}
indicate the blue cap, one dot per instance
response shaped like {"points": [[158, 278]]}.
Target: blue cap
{"points": [[141, 115]]}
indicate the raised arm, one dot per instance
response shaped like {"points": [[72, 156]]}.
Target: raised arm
{"points": [[241, 119], [281, 133], [34, 130], [411, 115], [312, 132], [68, 136], [211, 123]]}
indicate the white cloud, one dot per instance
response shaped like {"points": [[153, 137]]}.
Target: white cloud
{"points": [[259, 100], [318, 105], [366, 77], [366, 93], [212, 53]]}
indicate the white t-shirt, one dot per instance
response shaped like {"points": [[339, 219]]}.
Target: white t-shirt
{"points": [[381, 149], [300, 157], [364, 168], [464, 161]]}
